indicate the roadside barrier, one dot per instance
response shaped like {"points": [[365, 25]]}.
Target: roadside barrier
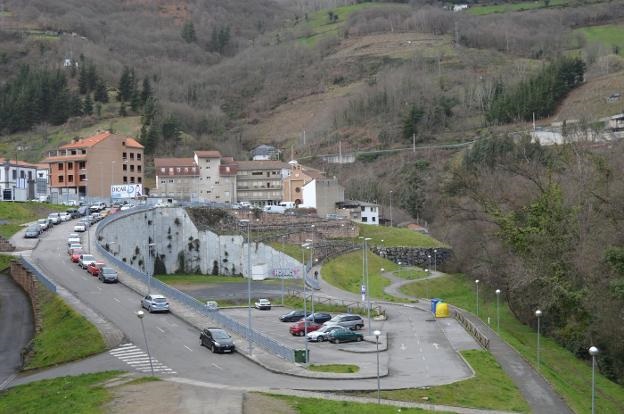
{"points": [[35, 271], [483, 340]]}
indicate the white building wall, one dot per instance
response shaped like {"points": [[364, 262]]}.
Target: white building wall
{"points": [[370, 215], [309, 194]]}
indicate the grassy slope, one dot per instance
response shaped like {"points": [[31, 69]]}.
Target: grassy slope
{"points": [[5, 261], [570, 376], [509, 7], [393, 236], [76, 395], [318, 406], [65, 335], [491, 388], [16, 214], [610, 35]]}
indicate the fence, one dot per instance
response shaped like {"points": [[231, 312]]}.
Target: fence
{"points": [[33, 269], [471, 328], [228, 323]]}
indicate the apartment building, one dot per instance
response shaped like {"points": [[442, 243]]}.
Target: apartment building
{"points": [[176, 178], [260, 182], [89, 166]]}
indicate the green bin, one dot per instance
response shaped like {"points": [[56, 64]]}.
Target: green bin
{"points": [[301, 357]]}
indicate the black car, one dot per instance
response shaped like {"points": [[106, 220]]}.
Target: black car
{"points": [[293, 316], [319, 317], [217, 340]]}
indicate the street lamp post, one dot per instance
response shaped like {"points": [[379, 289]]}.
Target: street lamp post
{"points": [[140, 314], [429, 262], [305, 304], [282, 268], [148, 262], [435, 260], [390, 208], [249, 285], [538, 315], [498, 292], [593, 351], [477, 284], [427, 283], [368, 306], [377, 334]]}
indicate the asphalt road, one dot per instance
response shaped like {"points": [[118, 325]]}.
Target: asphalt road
{"points": [[422, 355], [16, 327]]}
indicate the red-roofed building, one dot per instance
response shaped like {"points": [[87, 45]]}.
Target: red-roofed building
{"points": [[177, 178], [17, 180], [89, 166]]}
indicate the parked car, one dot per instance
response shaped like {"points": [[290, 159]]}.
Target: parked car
{"points": [[94, 268], [341, 334], [83, 211], [80, 226], [97, 206], [72, 246], [126, 207], [155, 303], [85, 260], [299, 328], [73, 240], [321, 334], [108, 274], [263, 304], [73, 213], [55, 218], [217, 340], [346, 320], [33, 231], [293, 316], [318, 317], [65, 216], [44, 224], [75, 255]]}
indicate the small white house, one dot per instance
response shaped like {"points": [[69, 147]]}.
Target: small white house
{"points": [[361, 211]]}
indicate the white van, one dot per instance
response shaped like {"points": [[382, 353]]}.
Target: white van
{"points": [[274, 209]]}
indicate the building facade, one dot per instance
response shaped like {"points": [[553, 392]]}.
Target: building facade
{"points": [[323, 194], [297, 177], [17, 180], [360, 211], [176, 178], [260, 182], [89, 166]]}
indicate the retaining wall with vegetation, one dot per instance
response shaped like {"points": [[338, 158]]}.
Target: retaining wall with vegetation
{"points": [[415, 256]]}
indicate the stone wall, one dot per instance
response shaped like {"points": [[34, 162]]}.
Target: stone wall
{"points": [[31, 286], [5, 245], [414, 256]]}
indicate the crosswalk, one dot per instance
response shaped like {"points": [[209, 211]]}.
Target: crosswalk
{"points": [[138, 359]]}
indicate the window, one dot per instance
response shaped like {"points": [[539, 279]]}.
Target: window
{"points": [[15, 174], [132, 180], [60, 179], [82, 165], [162, 169], [139, 180], [138, 168], [125, 167], [139, 157], [73, 152], [83, 177], [256, 173], [297, 190], [364, 219], [170, 170], [125, 179], [29, 175], [22, 174], [70, 165], [60, 166], [124, 155], [70, 178], [216, 183], [373, 219], [178, 169], [162, 181], [132, 168]]}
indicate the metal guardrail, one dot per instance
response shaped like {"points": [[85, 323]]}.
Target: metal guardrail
{"points": [[228, 323], [32, 268], [483, 340]]}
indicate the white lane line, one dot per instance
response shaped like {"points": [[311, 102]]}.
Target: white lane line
{"points": [[423, 357], [123, 349], [117, 300], [216, 366], [132, 357], [128, 352], [160, 329], [188, 348], [125, 345], [7, 381]]}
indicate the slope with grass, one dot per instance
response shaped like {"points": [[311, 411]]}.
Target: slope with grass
{"points": [[76, 395], [395, 236], [610, 35], [65, 335], [14, 215], [570, 376]]}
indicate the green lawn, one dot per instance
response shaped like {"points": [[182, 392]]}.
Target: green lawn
{"points": [[345, 272], [5, 261], [16, 214], [411, 273], [339, 368], [319, 406], [65, 335], [570, 376], [611, 35], [76, 395], [511, 7], [490, 388], [394, 236]]}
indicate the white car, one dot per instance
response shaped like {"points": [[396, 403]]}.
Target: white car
{"points": [[321, 334], [85, 260], [263, 304], [80, 226], [55, 218], [65, 216]]}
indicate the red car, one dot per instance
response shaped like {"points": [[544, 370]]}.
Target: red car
{"points": [[94, 268], [298, 329], [75, 256]]}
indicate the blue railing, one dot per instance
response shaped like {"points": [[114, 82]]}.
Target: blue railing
{"points": [[263, 341], [32, 268]]}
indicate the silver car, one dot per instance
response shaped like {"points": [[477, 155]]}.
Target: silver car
{"points": [[346, 320], [85, 260], [33, 231], [155, 303]]}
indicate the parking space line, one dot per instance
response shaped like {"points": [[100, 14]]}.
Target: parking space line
{"points": [[216, 366], [117, 300], [160, 329], [188, 348]]}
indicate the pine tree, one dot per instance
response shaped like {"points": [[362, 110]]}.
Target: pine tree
{"points": [[410, 124], [135, 101], [151, 140], [92, 77], [75, 105], [188, 32], [122, 109], [83, 82], [126, 84], [101, 92], [171, 129], [87, 107], [147, 90]]}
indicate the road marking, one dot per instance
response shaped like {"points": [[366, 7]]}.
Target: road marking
{"points": [[7, 381], [423, 357], [137, 359], [403, 347], [160, 329], [99, 288], [117, 300], [216, 366], [436, 346], [188, 348]]}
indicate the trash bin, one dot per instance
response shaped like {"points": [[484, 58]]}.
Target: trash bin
{"points": [[434, 303], [442, 310], [300, 356]]}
